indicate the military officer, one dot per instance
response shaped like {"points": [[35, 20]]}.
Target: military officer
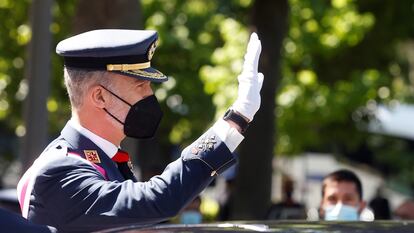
{"points": [[81, 181]]}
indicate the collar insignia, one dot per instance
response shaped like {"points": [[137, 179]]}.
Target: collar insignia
{"points": [[92, 156]]}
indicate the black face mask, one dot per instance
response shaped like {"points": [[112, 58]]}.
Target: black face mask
{"points": [[143, 117]]}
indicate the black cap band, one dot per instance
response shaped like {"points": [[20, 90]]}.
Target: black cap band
{"points": [[100, 63]]}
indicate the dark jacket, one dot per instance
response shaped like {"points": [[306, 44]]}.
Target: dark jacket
{"points": [[67, 192]]}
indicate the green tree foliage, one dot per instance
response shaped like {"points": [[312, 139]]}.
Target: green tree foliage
{"points": [[342, 59], [14, 36], [318, 94]]}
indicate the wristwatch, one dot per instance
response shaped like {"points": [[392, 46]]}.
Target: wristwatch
{"points": [[236, 118]]}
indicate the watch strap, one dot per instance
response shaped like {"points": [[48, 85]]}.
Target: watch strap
{"points": [[237, 118]]}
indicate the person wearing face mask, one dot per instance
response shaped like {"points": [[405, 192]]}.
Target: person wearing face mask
{"points": [[191, 214], [82, 181], [341, 197]]}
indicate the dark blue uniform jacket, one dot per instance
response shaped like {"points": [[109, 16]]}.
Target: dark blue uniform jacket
{"points": [[73, 196]]}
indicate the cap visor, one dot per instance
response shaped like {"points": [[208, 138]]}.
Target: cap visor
{"points": [[149, 74]]}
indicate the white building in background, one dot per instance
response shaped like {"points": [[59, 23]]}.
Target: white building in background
{"points": [[394, 120], [308, 170]]}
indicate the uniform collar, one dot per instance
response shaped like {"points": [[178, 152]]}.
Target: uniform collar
{"points": [[107, 147]]}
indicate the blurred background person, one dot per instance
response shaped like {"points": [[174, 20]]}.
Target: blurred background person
{"points": [[380, 206], [226, 195], [405, 211], [287, 208], [342, 197], [192, 214]]}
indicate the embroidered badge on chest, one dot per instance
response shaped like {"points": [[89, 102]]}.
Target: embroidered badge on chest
{"points": [[92, 156]]}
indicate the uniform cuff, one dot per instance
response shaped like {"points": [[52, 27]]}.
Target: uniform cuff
{"points": [[229, 135]]}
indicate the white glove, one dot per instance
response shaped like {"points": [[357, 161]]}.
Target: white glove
{"points": [[250, 81]]}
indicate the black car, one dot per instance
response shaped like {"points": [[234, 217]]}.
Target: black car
{"points": [[277, 226]]}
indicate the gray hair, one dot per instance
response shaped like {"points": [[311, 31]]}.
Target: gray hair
{"points": [[79, 81]]}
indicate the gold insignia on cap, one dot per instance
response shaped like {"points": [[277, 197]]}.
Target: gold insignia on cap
{"points": [[151, 51], [92, 156], [125, 67], [157, 75]]}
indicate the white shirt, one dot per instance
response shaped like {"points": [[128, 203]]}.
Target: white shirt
{"points": [[105, 145]]}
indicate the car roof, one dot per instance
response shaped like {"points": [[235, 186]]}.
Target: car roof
{"points": [[277, 226]]}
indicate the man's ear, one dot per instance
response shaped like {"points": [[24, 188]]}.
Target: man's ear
{"points": [[321, 211], [97, 96]]}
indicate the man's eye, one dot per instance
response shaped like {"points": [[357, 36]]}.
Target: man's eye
{"points": [[331, 198], [348, 199]]}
